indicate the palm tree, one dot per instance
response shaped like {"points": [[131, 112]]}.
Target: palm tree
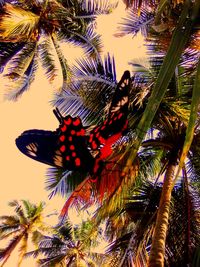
{"points": [[183, 236], [27, 223], [69, 246], [32, 29], [177, 43]]}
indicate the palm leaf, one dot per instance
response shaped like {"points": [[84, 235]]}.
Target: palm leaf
{"points": [[5, 253], [81, 195], [23, 248], [94, 7], [191, 123], [7, 51], [89, 41], [17, 24], [48, 62], [164, 77], [17, 88], [91, 87], [63, 63], [62, 182], [20, 63], [133, 23], [114, 185]]}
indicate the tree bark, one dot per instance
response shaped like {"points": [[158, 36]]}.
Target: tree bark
{"points": [[156, 258]]}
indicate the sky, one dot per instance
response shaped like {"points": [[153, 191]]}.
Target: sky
{"points": [[22, 177]]}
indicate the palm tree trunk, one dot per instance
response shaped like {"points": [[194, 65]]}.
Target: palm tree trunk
{"points": [[156, 258]]}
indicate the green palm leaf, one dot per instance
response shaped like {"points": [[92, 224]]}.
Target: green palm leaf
{"points": [[192, 121], [166, 72]]}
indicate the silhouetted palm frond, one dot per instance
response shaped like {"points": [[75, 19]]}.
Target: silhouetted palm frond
{"points": [[134, 23], [90, 90], [62, 182]]}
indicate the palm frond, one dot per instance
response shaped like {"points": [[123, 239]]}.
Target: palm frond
{"points": [[89, 41], [165, 74], [5, 253], [52, 261], [192, 121], [81, 195], [8, 231], [7, 51], [114, 186], [48, 62], [62, 182], [133, 23], [10, 220], [22, 84], [63, 62], [92, 80], [19, 210], [23, 248], [20, 63], [95, 7], [184, 229], [70, 102], [17, 24]]}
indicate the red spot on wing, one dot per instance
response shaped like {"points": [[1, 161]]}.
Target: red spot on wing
{"points": [[77, 162], [62, 148], [81, 132], [91, 137], [67, 158], [73, 154], [70, 138], [103, 127], [94, 145], [76, 122], [62, 138], [64, 128], [72, 147], [68, 121], [96, 129], [120, 115], [73, 132]]}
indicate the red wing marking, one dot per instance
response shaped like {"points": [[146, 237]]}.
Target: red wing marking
{"points": [[64, 128], [63, 148], [77, 162], [62, 138], [106, 151], [68, 121], [72, 147], [77, 122]]}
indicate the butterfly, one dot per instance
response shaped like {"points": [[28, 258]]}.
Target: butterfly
{"points": [[72, 146]]}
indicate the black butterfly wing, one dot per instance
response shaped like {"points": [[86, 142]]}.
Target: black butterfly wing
{"points": [[39, 145], [116, 122], [64, 148]]}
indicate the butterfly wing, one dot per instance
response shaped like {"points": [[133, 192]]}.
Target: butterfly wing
{"points": [[39, 145], [65, 148], [104, 135]]}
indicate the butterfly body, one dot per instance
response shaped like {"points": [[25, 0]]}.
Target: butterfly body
{"points": [[71, 146]]}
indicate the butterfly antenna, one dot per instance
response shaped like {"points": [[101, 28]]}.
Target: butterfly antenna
{"points": [[58, 115]]}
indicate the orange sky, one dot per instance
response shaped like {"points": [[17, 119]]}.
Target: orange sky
{"points": [[22, 177]]}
